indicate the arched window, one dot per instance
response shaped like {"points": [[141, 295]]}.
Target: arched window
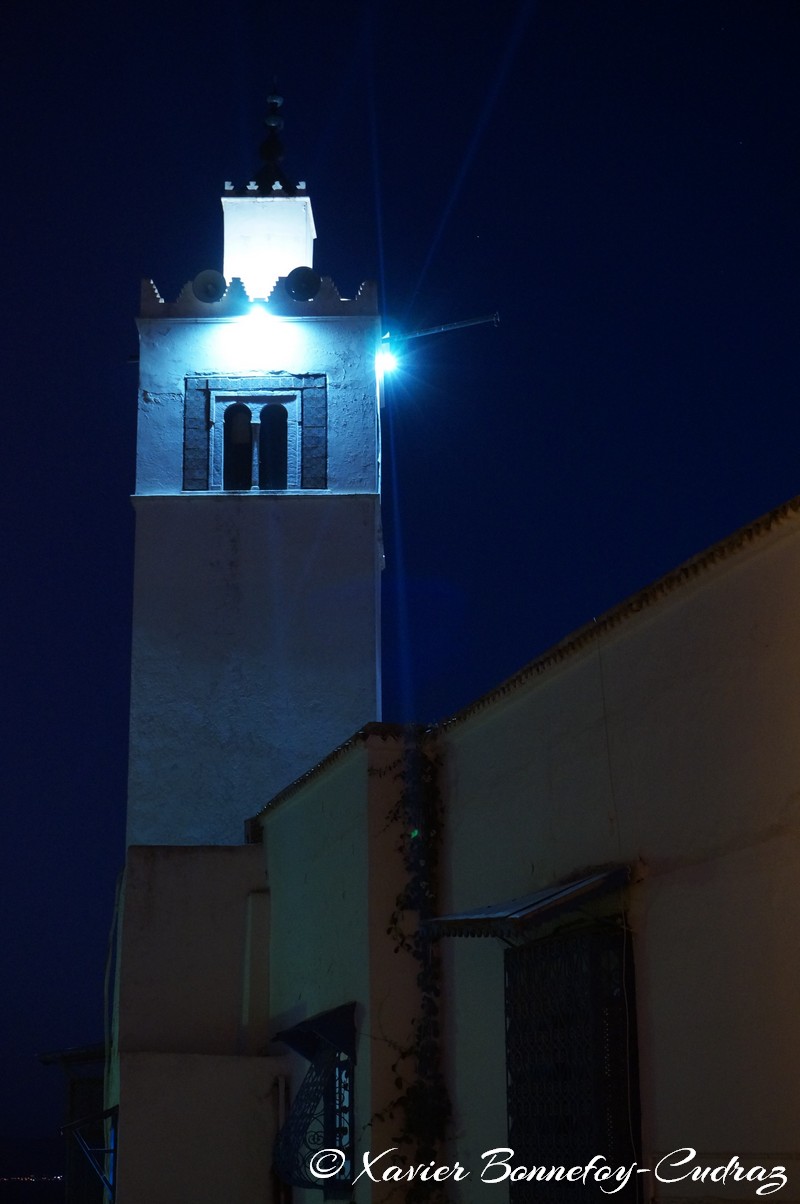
{"points": [[237, 454], [273, 448]]}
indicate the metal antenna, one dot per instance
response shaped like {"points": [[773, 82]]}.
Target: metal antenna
{"points": [[420, 334]]}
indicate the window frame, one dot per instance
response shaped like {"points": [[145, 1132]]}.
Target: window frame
{"points": [[207, 397]]}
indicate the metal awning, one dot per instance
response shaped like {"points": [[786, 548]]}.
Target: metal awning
{"points": [[332, 1030], [509, 919]]}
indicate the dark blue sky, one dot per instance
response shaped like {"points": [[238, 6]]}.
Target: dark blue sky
{"points": [[619, 180]]}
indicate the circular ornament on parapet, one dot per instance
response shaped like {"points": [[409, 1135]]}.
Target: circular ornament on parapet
{"points": [[209, 286], [302, 284]]}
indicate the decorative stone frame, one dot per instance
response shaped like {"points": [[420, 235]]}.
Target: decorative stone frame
{"points": [[207, 397]]}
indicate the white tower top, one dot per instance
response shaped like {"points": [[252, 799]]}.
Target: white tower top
{"points": [[266, 237]]}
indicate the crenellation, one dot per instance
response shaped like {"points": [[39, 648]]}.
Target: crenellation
{"points": [[235, 302], [150, 298]]}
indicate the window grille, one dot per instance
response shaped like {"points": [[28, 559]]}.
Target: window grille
{"points": [[572, 1077], [321, 1115]]}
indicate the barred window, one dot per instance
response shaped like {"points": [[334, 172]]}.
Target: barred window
{"points": [[572, 1076]]}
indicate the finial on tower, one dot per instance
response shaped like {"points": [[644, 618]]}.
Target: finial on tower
{"points": [[271, 151], [269, 229]]}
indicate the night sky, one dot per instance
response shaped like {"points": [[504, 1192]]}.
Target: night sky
{"points": [[617, 178]]}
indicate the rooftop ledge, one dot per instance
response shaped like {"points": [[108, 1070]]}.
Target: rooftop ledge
{"points": [[235, 302], [265, 494]]}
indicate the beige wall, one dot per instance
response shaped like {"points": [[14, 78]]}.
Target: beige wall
{"points": [[197, 1101], [667, 741], [670, 739], [192, 959], [316, 857], [334, 872], [197, 1128]]}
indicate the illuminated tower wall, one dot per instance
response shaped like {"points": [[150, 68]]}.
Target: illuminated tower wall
{"points": [[256, 603]]}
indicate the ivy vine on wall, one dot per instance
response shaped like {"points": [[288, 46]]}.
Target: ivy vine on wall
{"points": [[422, 1104]]}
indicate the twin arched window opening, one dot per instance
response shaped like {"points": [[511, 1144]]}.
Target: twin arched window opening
{"points": [[251, 433], [255, 447]]}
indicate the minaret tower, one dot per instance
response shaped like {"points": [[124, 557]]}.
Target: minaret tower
{"points": [[256, 604]]}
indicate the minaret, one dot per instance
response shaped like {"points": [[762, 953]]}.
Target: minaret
{"points": [[256, 599]]}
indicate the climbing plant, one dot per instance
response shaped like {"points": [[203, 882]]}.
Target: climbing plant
{"points": [[422, 1104]]}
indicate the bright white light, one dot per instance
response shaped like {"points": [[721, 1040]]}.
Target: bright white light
{"points": [[258, 317], [261, 339], [385, 362]]}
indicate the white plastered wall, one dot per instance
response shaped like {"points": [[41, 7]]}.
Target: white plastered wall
{"points": [[341, 348], [255, 651], [256, 616]]}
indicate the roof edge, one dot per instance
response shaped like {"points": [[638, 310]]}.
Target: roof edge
{"points": [[397, 732], [570, 646], [651, 595]]}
